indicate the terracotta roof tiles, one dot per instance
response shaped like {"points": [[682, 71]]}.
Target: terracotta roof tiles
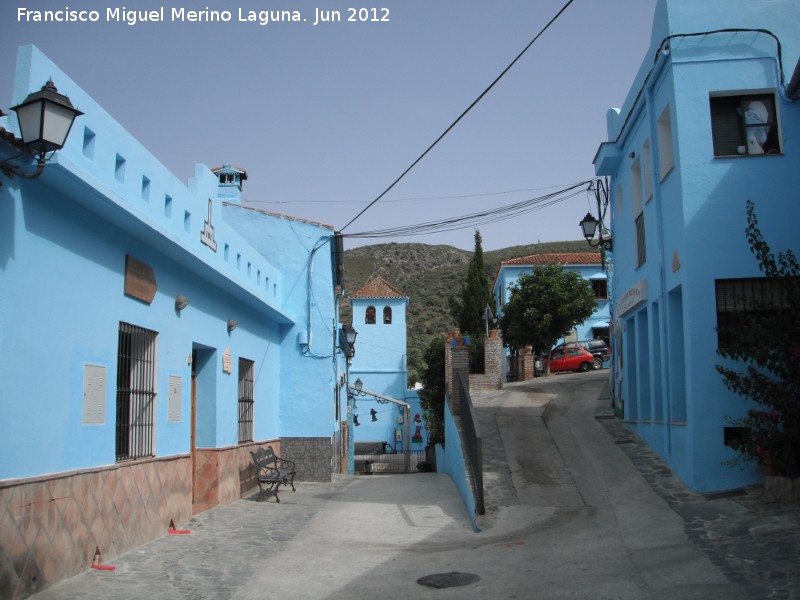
{"points": [[378, 287], [563, 258]]}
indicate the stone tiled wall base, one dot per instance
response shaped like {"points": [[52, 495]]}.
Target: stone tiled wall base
{"points": [[785, 490], [312, 457], [50, 526], [223, 475]]}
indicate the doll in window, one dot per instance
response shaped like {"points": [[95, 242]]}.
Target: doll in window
{"points": [[756, 123]]}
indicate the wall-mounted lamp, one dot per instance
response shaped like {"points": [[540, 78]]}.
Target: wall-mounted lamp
{"points": [[232, 325], [591, 226], [45, 119], [347, 341], [181, 302]]}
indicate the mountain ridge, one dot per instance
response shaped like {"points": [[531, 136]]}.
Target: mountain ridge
{"points": [[428, 274]]}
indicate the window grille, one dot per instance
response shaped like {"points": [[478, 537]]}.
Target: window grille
{"points": [[641, 244], [246, 399], [748, 304], [136, 392], [744, 125]]}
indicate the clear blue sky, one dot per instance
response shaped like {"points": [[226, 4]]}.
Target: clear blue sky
{"points": [[325, 117]]}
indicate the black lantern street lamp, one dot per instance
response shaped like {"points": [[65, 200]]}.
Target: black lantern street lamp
{"points": [[591, 226], [347, 341], [45, 119]]}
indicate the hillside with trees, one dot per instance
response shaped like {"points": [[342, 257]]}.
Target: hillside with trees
{"points": [[429, 275]]}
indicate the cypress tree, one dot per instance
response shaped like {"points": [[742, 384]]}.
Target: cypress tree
{"points": [[475, 294]]}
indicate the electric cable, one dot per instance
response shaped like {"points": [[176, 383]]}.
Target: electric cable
{"points": [[484, 217], [461, 116]]}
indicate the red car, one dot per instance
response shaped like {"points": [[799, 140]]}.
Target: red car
{"points": [[571, 358]]}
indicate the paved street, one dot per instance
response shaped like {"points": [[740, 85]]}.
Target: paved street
{"points": [[576, 508]]}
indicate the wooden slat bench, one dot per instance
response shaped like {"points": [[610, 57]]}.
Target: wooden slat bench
{"points": [[272, 472]]}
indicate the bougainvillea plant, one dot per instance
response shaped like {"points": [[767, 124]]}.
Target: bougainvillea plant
{"points": [[764, 362]]}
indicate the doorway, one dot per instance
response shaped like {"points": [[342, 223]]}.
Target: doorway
{"points": [[203, 418]]}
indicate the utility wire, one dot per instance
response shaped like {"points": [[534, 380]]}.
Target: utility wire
{"points": [[492, 215], [461, 116], [410, 198]]}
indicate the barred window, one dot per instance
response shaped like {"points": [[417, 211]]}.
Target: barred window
{"points": [[246, 399], [741, 301], [136, 392]]}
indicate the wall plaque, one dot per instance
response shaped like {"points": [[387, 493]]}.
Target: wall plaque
{"points": [[140, 280]]}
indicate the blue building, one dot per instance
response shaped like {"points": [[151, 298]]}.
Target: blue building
{"points": [[587, 264], [154, 332], [379, 316], [708, 124]]}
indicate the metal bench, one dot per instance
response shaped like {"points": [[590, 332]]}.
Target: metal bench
{"points": [[272, 472]]}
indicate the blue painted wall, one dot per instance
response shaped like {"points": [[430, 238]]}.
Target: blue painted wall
{"points": [[63, 242], [380, 363], [307, 358], [450, 460], [694, 220]]}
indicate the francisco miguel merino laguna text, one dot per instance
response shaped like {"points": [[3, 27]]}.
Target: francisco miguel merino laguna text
{"points": [[122, 14]]}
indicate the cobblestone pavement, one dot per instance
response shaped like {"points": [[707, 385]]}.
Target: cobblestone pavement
{"points": [[211, 562], [756, 544]]}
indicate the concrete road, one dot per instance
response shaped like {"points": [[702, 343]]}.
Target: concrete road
{"points": [[568, 516], [584, 524]]}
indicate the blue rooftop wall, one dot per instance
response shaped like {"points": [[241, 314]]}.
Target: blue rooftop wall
{"points": [[64, 238], [308, 359]]}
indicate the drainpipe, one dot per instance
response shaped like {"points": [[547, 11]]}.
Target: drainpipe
{"points": [[663, 313], [793, 91]]}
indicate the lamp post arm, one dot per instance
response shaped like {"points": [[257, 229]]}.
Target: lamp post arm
{"points": [[10, 170]]}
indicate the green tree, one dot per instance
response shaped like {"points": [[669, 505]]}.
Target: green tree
{"points": [[544, 306], [766, 341], [475, 294], [432, 393]]}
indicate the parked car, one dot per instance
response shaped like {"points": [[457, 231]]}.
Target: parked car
{"points": [[570, 358], [598, 348]]}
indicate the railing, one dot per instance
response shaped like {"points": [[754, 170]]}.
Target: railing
{"points": [[472, 442], [389, 461]]}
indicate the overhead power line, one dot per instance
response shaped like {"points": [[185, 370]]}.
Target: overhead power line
{"points": [[484, 217], [461, 116]]}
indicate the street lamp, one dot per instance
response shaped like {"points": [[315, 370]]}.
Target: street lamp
{"points": [[45, 119], [347, 341], [591, 226]]}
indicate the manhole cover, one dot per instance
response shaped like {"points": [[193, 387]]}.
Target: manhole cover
{"points": [[446, 580]]}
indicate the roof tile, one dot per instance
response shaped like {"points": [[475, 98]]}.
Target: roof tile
{"points": [[563, 258], [377, 287]]}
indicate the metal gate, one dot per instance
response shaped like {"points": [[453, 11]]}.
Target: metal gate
{"points": [[367, 463]]}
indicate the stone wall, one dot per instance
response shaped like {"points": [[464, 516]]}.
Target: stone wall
{"points": [[50, 526], [494, 356]]}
